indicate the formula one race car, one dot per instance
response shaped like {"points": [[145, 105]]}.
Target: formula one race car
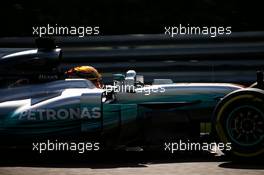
{"points": [[40, 104]]}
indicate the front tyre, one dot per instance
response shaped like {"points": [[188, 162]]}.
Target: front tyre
{"points": [[239, 120]]}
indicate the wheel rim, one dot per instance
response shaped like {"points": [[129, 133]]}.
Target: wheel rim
{"points": [[245, 125]]}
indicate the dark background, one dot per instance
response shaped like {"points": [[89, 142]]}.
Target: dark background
{"points": [[233, 58], [129, 16]]}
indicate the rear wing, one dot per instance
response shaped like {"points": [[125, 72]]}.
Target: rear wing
{"points": [[38, 64]]}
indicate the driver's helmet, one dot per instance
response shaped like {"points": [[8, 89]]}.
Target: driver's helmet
{"points": [[87, 72]]}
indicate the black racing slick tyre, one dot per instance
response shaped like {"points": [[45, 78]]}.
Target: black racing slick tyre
{"points": [[239, 121]]}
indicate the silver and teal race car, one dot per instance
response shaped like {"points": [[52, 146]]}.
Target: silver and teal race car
{"points": [[129, 112]]}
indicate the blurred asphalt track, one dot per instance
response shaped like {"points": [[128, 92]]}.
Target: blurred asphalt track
{"points": [[129, 164]]}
